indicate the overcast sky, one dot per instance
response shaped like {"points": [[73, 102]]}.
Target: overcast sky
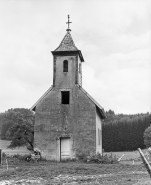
{"points": [[113, 35]]}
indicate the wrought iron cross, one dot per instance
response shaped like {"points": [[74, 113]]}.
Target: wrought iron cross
{"points": [[68, 24]]}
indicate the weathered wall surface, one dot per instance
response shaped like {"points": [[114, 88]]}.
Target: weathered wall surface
{"points": [[79, 72], [70, 78], [98, 126], [64, 79], [76, 120]]}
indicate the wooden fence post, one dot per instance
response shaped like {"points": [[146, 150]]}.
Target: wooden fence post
{"points": [[146, 163], [120, 158]]}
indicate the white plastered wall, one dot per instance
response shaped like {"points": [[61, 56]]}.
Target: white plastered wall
{"points": [[98, 126]]}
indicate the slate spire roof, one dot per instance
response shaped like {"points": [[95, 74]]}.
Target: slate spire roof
{"points": [[67, 44]]}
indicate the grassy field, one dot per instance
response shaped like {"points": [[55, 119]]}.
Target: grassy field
{"points": [[129, 156], [4, 144], [74, 173], [55, 173]]}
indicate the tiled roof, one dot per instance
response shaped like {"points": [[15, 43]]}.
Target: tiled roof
{"points": [[67, 44]]}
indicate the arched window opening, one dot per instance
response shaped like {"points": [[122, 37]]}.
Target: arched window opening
{"points": [[65, 66]]}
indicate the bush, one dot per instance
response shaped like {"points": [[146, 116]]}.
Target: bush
{"points": [[82, 156], [147, 137], [20, 157], [92, 157], [103, 159]]}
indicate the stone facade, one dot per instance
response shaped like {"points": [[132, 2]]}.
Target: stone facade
{"points": [[78, 120]]}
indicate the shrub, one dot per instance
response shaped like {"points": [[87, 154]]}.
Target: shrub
{"points": [[20, 157], [82, 156], [103, 159], [147, 137]]}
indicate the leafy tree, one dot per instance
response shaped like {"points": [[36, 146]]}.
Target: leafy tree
{"points": [[22, 133], [18, 126], [1, 120], [5, 127], [147, 137], [10, 117]]}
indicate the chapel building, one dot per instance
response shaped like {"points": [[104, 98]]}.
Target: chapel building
{"points": [[68, 121]]}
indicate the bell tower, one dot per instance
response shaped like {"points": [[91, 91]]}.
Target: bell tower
{"points": [[67, 63]]}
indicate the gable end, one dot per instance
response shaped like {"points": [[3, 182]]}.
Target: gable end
{"points": [[99, 107], [33, 108]]}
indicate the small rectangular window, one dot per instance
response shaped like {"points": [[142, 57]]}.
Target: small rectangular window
{"points": [[65, 97]]}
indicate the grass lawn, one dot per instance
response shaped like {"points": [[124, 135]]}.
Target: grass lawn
{"points": [[4, 144], [53, 173], [45, 172], [131, 155]]}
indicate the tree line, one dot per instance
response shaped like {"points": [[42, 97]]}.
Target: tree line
{"points": [[124, 132]]}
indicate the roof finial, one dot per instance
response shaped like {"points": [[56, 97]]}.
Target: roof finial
{"points": [[68, 30]]}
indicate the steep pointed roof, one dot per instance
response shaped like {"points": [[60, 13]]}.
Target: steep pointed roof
{"points": [[67, 44]]}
